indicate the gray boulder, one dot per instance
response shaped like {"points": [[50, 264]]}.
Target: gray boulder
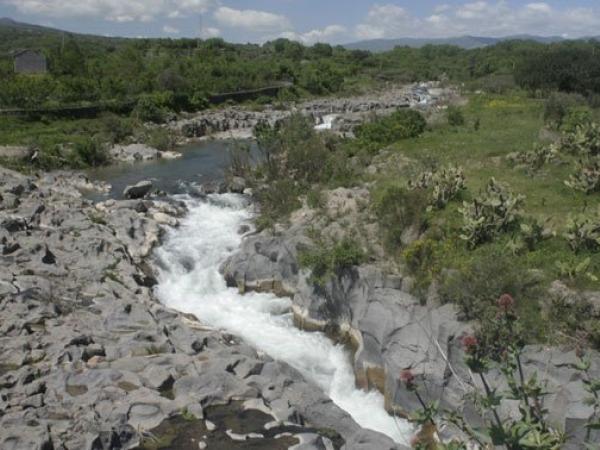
{"points": [[137, 191]]}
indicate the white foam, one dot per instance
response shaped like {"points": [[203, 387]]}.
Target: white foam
{"points": [[207, 236], [327, 124]]}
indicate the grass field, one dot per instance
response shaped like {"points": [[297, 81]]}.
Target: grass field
{"points": [[494, 128]]}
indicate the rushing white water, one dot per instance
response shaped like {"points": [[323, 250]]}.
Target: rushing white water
{"points": [[327, 122], [206, 237]]}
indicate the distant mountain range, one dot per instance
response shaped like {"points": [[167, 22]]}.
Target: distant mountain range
{"points": [[7, 23], [375, 45], [467, 42]]}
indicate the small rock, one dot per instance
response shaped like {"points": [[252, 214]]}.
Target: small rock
{"points": [[244, 229], [49, 257], [139, 190], [14, 224], [237, 185], [10, 248]]}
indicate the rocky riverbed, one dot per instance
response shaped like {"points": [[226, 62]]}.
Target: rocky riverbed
{"points": [[89, 359], [346, 113], [373, 309]]}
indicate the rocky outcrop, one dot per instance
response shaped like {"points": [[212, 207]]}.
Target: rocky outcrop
{"points": [[389, 329], [90, 360], [139, 152], [236, 122]]}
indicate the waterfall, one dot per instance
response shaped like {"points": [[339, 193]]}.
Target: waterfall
{"points": [[327, 122]]}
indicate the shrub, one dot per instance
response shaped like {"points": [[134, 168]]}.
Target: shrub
{"points": [[455, 117], [558, 105], [583, 233], [239, 160], [475, 287], [118, 129], [533, 233], [495, 211], [576, 270], [161, 139], [277, 200], [314, 198], [199, 101], [89, 153], [403, 124], [326, 261], [153, 107], [535, 159], [293, 149], [583, 141], [587, 176], [420, 256], [579, 116], [397, 209], [444, 185]]}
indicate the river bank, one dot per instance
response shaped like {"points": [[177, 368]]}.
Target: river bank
{"points": [[91, 360], [344, 113]]}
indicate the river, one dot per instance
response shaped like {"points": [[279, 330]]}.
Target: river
{"points": [[190, 282]]}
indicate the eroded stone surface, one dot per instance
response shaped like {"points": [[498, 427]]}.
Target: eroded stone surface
{"points": [[88, 358]]}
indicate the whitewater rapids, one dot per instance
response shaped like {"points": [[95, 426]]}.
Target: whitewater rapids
{"points": [[189, 281]]}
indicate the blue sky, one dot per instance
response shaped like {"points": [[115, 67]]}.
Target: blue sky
{"points": [[309, 21]]}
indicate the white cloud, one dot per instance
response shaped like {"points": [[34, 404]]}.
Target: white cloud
{"points": [[210, 32], [171, 30], [387, 20], [251, 20], [483, 17], [318, 35], [113, 10]]}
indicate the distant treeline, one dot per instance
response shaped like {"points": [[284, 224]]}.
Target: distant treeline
{"points": [[184, 73]]}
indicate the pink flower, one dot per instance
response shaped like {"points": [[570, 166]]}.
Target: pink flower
{"points": [[506, 302], [408, 378], [469, 343]]}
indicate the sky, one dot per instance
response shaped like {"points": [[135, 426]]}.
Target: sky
{"points": [[310, 21]]}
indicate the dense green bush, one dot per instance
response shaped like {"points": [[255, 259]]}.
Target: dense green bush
{"points": [[117, 129], [584, 140], [277, 200], [89, 153], [583, 233], [496, 210], [397, 209], [325, 261], [293, 159], [383, 131], [455, 117], [475, 287], [153, 108], [293, 149], [569, 67], [444, 185], [420, 256], [537, 158], [586, 177], [576, 117], [558, 105], [161, 139]]}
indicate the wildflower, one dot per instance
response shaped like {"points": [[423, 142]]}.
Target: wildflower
{"points": [[408, 378], [506, 302], [469, 343]]}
